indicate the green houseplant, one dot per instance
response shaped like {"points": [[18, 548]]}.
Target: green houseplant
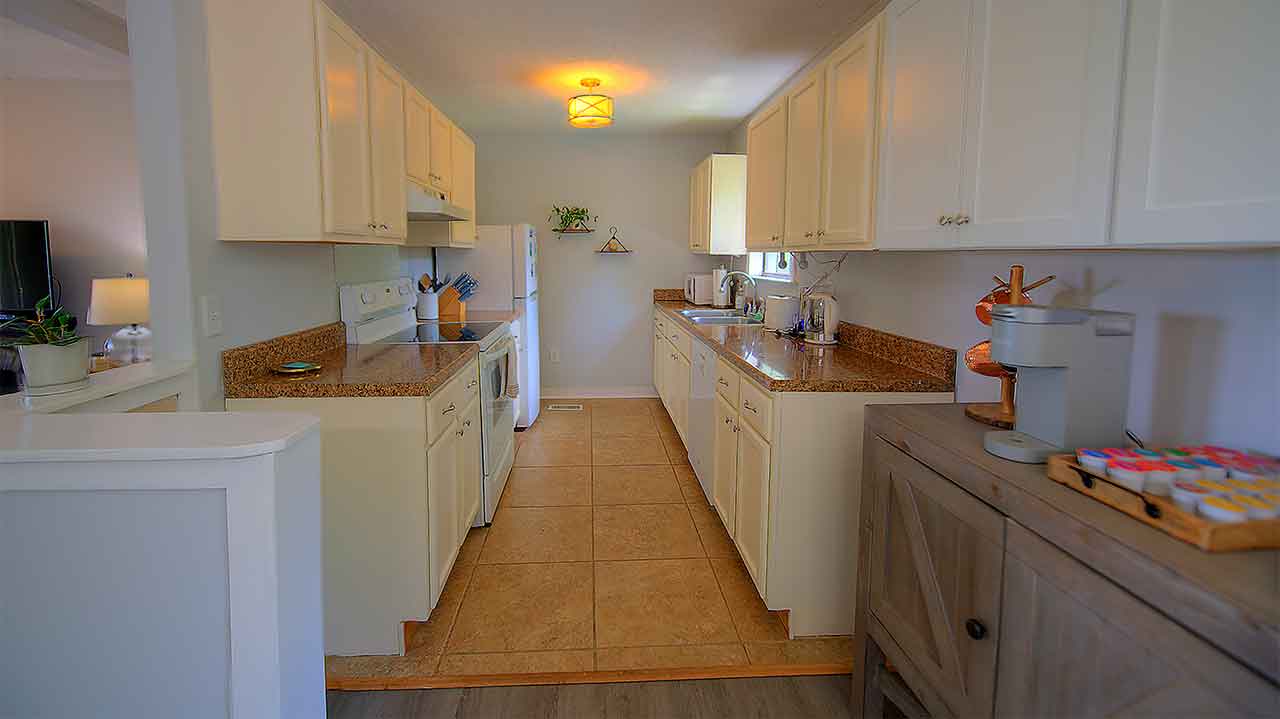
{"points": [[570, 219], [54, 357]]}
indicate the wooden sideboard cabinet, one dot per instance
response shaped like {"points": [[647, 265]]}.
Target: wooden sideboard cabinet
{"points": [[986, 589]]}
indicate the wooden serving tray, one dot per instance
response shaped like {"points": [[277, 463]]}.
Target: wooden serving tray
{"points": [[1163, 514]]}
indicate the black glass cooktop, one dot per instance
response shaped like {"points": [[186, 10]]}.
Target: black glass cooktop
{"points": [[443, 332]]}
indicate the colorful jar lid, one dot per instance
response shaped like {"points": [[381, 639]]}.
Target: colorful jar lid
{"points": [[1221, 509]]}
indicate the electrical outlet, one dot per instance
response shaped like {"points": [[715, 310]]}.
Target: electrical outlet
{"points": [[211, 315], [555, 356]]}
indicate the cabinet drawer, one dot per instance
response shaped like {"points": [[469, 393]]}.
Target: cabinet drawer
{"points": [[755, 407], [447, 403], [660, 322], [727, 382], [680, 340]]}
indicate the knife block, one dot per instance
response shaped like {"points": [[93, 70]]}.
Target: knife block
{"points": [[452, 309]]}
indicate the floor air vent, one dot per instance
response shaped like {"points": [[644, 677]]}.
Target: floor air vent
{"points": [[563, 408]]}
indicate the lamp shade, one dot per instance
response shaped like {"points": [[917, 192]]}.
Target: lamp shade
{"points": [[591, 109], [120, 301]]}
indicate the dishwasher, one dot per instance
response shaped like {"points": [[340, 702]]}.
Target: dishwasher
{"points": [[701, 429]]}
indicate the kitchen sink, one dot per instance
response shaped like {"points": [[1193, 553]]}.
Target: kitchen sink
{"points": [[711, 313], [725, 320]]}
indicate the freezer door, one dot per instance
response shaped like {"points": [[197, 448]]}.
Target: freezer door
{"points": [[524, 260], [530, 377]]}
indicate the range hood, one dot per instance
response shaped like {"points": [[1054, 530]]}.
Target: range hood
{"points": [[431, 206]]}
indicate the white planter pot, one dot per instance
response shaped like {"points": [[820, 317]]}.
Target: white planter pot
{"points": [[47, 366]]}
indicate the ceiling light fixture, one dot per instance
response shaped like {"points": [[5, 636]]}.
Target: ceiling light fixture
{"points": [[590, 109]]}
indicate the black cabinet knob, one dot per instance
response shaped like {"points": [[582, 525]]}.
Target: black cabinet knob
{"points": [[976, 629]]}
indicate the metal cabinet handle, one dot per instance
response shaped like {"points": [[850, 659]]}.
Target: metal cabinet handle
{"points": [[808, 234], [821, 233], [467, 423], [383, 227], [721, 381], [372, 226], [747, 405], [962, 219], [944, 220], [448, 409], [460, 433], [976, 629], [472, 383]]}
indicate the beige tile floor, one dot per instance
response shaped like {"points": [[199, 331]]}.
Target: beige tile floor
{"points": [[604, 556]]}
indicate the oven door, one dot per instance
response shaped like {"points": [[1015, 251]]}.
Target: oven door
{"points": [[497, 410]]}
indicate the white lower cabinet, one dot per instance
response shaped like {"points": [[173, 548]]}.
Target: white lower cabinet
{"points": [[724, 469], [752, 498], [442, 509], [400, 482]]}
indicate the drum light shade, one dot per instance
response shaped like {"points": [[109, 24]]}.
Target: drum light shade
{"points": [[591, 109], [120, 301]]}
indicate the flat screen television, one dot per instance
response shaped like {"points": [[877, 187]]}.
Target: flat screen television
{"points": [[25, 274]]}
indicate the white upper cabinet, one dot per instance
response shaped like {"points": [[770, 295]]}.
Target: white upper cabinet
{"points": [[441, 173], [1199, 156], [767, 177], [387, 140], [718, 205], [463, 234], [344, 122], [921, 122], [999, 122], [417, 136], [804, 161], [849, 140], [1040, 123]]}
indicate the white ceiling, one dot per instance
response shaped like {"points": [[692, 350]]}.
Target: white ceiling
{"points": [[673, 65], [30, 54]]}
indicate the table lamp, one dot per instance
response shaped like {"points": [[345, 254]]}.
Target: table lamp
{"points": [[123, 301]]}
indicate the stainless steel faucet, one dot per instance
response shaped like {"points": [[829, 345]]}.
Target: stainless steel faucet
{"points": [[752, 307]]}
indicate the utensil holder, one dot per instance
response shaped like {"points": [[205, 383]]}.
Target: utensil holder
{"points": [[428, 306], [452, 308]]}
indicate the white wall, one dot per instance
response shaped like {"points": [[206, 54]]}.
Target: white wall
{"points": [[595, 309], [68, 154]]}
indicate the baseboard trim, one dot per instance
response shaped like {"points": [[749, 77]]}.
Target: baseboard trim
{"points": [[621, 392]]}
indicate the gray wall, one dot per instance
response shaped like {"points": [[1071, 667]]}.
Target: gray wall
{"points": [[595, 309], [68, 155]]}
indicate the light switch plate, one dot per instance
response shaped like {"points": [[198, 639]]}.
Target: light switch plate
{"points": [[211, 314]]}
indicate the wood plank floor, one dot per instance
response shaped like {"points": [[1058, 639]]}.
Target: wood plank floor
{"points": [[765, 698]]}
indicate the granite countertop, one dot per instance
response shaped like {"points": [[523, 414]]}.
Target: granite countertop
{"points": [[857, 364], [373, 370]]}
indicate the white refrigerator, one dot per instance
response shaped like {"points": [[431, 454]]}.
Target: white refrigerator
{"points": [[505, 261]]}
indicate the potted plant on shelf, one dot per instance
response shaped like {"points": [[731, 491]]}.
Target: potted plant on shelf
{"points": [[571, 220], [54, 358]]}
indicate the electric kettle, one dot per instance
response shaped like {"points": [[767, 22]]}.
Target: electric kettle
{"points": [[821, 316]]}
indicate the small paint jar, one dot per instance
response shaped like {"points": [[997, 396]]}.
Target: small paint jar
{"points": [[1217, 489], [1221, 509], [1092, 459], [1257, 507], [1159, 479], [1244, 471], [1187, 495], [1149, 454], [1210, 469], [1127, 474], [1174, 453], [1187, 471], [1240, 486], [1120, 453], [1267, 486]]}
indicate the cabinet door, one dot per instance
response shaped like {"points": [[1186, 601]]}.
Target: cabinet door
{"points": [[1040, 139], [849, 147], [344, 126], [659, 362], [443, 539], [921, 122], [1199, 157], [681, 375], [417, 136], [766, 177], [752, 522], [441, 174], [936, 560], [463, 234], [386, 109], [470, 468], [724, 472], [693, 210], [700, 208], [804, 161], [725, 226], [1072, 644]]}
